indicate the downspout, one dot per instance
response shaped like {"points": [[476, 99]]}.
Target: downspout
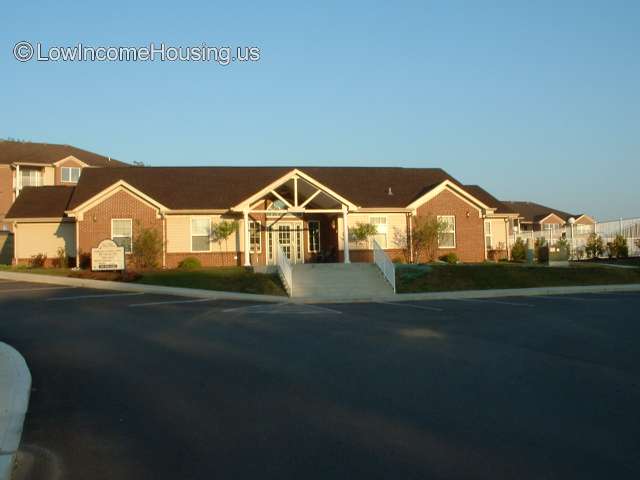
{"points": [[484, 236], [15, 243], [410, 217], [77, 243], [164, 240]]}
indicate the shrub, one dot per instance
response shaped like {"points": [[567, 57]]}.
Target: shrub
{"points": [[426, 235], [190, 263], [618, 248], [85, 261], [594, 246], [450, 258], [362, 231], [147, 247], [61, 260], [38, 261], [519, 251]]}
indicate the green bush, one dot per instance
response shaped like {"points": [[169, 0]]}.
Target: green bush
{"points": [[147, 248], [190, 263], [618, 248], [594, 246], [450, 258], [519, 251], [38, 261]]}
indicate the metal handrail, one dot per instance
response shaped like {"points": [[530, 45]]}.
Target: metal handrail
{"points": [[284, 269], [384, 263]]}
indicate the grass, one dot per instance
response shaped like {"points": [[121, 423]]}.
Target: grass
{"points": [[438, 278], [225, 279], [228, 279], [632, 261]]}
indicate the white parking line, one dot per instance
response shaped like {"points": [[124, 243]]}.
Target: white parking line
{"points": [[499, 302], [172, 302], [284, 308], [14, 290], [410, 305], [104, 295], [249, 307]]}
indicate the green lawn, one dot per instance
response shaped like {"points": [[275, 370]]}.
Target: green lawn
{"points": [[228, 279], [434, 278], [225, 279]]}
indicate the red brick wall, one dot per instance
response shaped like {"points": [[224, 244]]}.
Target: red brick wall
{"points": [[469, 229], [96, 224], [207, 259], [366, 256]]}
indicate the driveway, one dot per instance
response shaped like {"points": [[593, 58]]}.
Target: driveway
{"points": [[137, 386]]}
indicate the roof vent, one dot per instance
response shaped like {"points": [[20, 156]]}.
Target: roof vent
{"points": [[389, 191]]}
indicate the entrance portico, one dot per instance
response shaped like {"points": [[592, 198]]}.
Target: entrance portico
{"points": [[285, 207]]}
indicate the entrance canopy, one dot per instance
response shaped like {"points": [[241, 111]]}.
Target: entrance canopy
{"points": [[296, 193]]}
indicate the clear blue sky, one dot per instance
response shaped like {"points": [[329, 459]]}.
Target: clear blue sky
{"points": [[532, 100]]}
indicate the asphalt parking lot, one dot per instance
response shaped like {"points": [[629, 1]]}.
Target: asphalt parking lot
{"points": [[147, 386]]}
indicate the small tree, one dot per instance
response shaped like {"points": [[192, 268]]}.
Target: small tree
{"points": [[594, 246], [146, 248], [362, 231], [618, 248], [519, 251], [221, 233], [425, 235]]}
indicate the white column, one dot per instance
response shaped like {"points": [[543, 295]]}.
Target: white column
{"points": [[247, 243], [17, 181], [345, 227]]}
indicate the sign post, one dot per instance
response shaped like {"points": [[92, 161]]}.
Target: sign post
{"points": [[108, 256]]}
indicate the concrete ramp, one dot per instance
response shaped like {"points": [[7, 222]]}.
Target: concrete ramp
{"points": [[325, 281]]}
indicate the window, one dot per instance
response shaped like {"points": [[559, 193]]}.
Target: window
{"points": [[314, 236], [447, 238], [582, 229], [121, 232], [487, 234], [551, 226], [30, 177], [381, 228], [200, 234], [70, 174], [255, 237]]}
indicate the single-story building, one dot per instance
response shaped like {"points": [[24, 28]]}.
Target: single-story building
{"points": [[308, 212]]}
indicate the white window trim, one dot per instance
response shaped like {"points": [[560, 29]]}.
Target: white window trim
{"points": [[70, 168], [488, 246], [455, 242], [130, 220], [259, 224], [309, 237], [191, 234], [386, 233]]}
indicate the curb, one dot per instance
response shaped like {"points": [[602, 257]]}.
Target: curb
{"points": [[15, 387], [400, 297], [138, 287]]}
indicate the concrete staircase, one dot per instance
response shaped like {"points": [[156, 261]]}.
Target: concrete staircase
{"points": [[339, 281]]}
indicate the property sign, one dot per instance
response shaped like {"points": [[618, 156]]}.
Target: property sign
{"points": [[108, 256]]}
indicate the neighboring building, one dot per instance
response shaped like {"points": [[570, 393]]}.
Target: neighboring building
{"points": [[306, 211], [498, 226], [28, 164], [534, 217]]}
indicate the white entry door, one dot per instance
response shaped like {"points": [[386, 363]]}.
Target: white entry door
{"points": [[289, 237]]}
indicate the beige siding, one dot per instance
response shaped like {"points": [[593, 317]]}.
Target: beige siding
{"points": [[179, 235], [34, 238], [396, 229], [498, 233], [49, 176]]}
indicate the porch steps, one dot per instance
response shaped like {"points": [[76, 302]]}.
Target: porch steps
{"points": [[339, 280]]}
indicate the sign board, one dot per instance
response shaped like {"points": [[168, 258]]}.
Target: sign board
{"points": [[108, 256]]}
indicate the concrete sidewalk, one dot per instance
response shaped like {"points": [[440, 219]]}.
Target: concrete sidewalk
{"points": [[216, 295], [15, 387]]}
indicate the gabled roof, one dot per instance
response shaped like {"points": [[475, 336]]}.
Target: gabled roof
{"points": [[223, 187], [48, 153], [488, 199], [41, 202], [534, 212]]}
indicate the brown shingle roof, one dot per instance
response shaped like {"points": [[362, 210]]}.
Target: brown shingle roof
{"points": [[41, 202], [48, 153], [488, 199], [224, 187], [534, 212]]}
